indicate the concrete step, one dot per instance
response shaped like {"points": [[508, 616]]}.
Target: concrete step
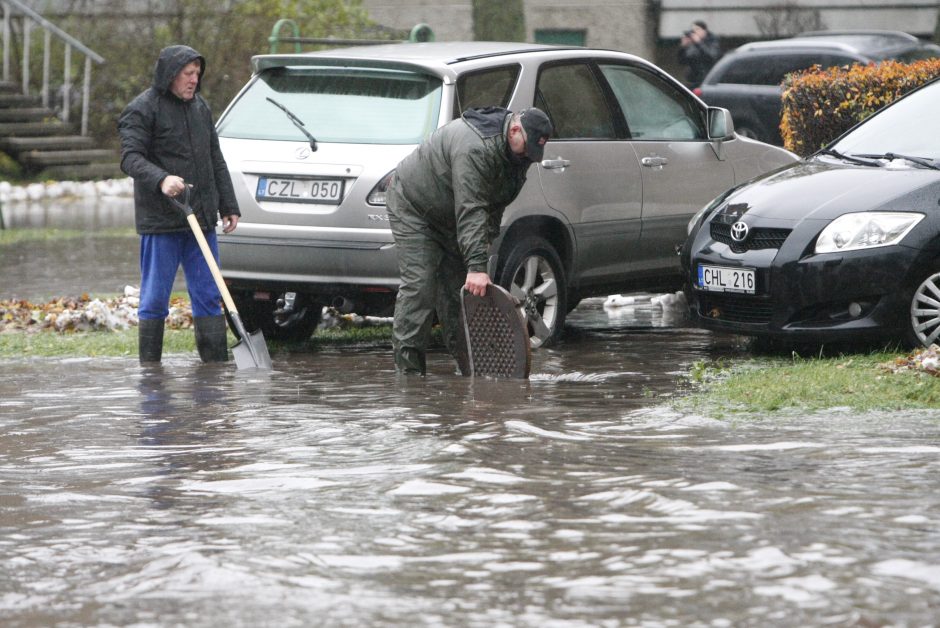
{"points": [[8, 99], [34, 129], [17, 145], [36, 159], [26, 114], [83, 172]]}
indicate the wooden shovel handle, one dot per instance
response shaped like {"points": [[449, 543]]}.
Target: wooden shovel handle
{"points": [[206, 251], [210, 260]]}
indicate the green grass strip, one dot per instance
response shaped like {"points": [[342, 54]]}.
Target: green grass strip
{"points": [[761, 385], [48, 344]]}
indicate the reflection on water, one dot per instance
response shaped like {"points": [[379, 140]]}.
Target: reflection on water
{"points": [[334, 492], [88, 213], [94, 263]]}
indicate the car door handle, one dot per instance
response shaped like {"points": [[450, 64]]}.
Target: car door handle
{"points": [[654, 161], [555, 164]]}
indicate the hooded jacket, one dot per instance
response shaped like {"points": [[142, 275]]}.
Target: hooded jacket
{"points": [[460, 180], [163, 135]]}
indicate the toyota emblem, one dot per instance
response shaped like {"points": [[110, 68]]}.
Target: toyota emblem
{"points": [[739, 231], [302, 153]]}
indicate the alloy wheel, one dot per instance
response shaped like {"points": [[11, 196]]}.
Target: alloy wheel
{"points": [[536, 286], [925, 311]]}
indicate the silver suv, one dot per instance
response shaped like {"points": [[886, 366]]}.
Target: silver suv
{"points": [[312, 139]]}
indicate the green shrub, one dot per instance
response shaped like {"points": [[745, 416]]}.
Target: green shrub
{"points": [[819, 105], [9, 168]]}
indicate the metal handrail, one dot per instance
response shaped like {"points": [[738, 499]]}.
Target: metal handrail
{"points": [[70, 42]]}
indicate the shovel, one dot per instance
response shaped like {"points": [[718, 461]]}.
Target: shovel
{"points": [[250, 351]]}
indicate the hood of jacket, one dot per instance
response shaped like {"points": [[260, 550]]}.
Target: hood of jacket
{"points": [[171, 61], [486, 121]]}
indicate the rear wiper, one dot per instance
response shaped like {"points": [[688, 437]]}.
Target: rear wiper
{"points": [[297, 123], [853, 159], [921, 161]]}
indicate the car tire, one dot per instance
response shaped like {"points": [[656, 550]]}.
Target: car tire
{"points": [[261, 315], [533, 273], [923, 327]]}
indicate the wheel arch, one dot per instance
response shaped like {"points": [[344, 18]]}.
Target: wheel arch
{"points": [[549, 228]]}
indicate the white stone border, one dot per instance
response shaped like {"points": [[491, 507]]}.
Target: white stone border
{"points": [[10, 193]]}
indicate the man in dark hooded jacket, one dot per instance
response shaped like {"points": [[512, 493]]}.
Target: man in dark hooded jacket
{"points": [[445, 205], [168, 142]]}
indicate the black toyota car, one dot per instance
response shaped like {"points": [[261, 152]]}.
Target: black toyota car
{"points": [[843, 245]]}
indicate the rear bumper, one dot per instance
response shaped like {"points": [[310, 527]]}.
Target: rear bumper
{"points": [[321, 269]]}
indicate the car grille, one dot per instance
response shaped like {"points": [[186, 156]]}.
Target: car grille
{"points": [[735, 308], [759, 238]]}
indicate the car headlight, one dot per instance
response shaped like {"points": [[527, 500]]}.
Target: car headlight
{"points": [[865, 230]]}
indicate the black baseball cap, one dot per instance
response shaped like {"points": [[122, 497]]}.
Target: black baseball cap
{"points": [[538, 128]]}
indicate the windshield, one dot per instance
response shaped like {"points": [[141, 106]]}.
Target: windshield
{"points": [[910, 126], [345, 105]]}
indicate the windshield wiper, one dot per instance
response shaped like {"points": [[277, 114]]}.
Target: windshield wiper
{"points": [[297, 122], [853, 159], [926, 163]]}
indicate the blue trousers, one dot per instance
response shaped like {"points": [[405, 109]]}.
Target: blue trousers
{"points": [[160, 257]]}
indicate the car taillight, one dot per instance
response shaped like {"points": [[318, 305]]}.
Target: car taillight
{"points": [[697, 91], [378, 194]]}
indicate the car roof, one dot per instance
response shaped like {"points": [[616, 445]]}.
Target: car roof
{"points": [[865, 43], [431, 55]]}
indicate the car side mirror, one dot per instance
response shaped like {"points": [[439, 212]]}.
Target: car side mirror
{"points": [[720, 124]]}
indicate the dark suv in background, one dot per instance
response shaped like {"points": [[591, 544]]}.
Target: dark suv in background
{"points": [[747, 81]]}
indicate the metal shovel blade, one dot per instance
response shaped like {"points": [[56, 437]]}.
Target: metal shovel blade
{"points": [[252, 352]]}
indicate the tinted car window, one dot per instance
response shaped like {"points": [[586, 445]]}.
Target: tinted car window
{"points": [[769, 69], [493, 86], [371, 106], [654, 109], [928, 51], [573, 99], [786, 64], [838, 60], [745, 70]]}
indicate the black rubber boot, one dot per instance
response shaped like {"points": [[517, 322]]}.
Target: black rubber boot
{"points": [[211, 340], [150, 340]]}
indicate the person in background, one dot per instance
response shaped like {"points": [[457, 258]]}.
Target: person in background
{"points": [[699, 49], [168, 142], [445, 205]]}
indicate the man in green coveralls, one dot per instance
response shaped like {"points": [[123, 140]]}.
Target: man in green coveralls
{"points": [[445, 206]]}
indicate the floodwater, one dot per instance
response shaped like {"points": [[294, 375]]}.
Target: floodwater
{"points": [[332, 492], [101, 262]]}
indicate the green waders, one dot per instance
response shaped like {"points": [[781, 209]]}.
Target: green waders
{"points": [[431, 278]]}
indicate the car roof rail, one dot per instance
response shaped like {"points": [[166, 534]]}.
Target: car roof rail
{"points": [[901, 36], [809, 43]]}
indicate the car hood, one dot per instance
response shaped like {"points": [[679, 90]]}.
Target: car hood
{"points": [[822, 190]]}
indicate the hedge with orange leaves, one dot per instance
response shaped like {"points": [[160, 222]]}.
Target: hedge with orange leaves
{"points": [[820, 105]]}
